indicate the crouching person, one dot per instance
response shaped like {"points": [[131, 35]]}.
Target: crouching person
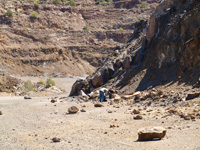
{"points": [[102, 93]]}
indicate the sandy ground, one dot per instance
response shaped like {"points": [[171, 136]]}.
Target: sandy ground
{"points": [[31, 124]]}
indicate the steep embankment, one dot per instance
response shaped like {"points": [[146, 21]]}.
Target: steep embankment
{"points": [[168, 52], [59, 39]]}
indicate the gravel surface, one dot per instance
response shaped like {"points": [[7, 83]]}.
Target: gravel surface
{"points": [[32, 124]]}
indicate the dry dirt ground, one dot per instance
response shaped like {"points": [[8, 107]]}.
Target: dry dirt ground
{"points": [[31, 124]]}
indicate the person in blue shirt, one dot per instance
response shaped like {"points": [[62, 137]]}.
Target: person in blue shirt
{"points": [[102, 93]]}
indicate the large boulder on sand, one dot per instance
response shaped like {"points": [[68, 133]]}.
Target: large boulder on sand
{"points": [[78, 86], [151, 133], [102, 76], [97, 79]]}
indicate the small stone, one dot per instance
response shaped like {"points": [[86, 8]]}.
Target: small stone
{"points": [[56, 112], [83, 110], [169, 127], [192, 116], [55, 139], [112, 126], [53, 100], [1, 113], [110, 111], [151, 133], [98, 105], [105, 132], [27, 97], [136, 111], [73, 110], [138, 117], [116, 106], [187, 118]]}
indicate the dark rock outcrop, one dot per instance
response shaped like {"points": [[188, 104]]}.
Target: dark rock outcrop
{"points": [[167, 52]]}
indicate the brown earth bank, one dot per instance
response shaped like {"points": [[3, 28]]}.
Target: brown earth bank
{"points": [[64, 39]]}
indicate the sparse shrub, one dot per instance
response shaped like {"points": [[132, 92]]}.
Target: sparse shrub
{"points": [[64, 1], [9, 13], [86, 28], [50, 82], [34, 15], [36, 5], [100, 1], [121, 29], [42, 82], [56, 1], [26, 28], [28, 86], [143, 5], [72, 3]]}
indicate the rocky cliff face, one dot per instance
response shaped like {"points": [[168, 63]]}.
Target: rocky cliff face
{"points": [[173, 44], [65, 40], [167, 51]]}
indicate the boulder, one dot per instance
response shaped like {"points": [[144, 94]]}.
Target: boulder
{"points": [[97, 80], [151, 29], [98, 105], [83, 110], [78, 86], [151, 133], [117, 97], [94, 94], [136, 111], [192, 96], [55, 139], [53, 100], [84, 96], [127, 96], [27, 97], [138, 93], [138, 117], [118, 63], [127, 62], [81, 93], [73, 110]]}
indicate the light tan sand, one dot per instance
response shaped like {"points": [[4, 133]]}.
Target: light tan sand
{"points": [[31, 124]]}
